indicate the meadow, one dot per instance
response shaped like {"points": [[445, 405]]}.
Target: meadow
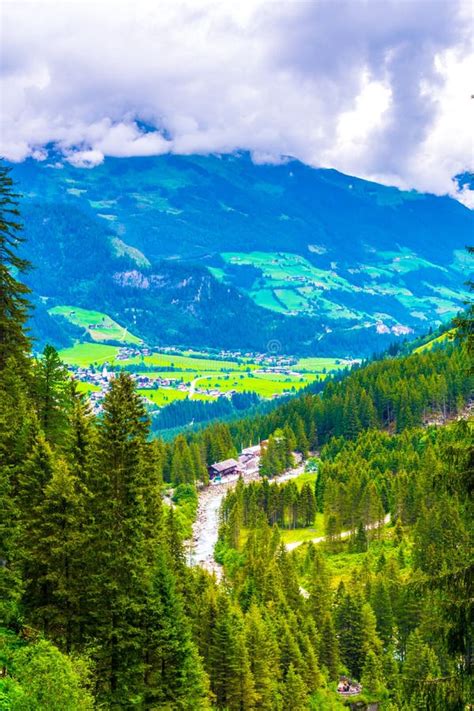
{"points": [[98, 325]]}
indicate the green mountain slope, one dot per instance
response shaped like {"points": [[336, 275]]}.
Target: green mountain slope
{"points": [[218, 251]]}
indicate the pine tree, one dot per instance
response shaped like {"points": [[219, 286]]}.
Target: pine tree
{"points": [[372, 675], [333, 529], [81, 434], [182, 465], [319, 589], [302, 444], [295, 695], [51, 388], [119, 573], [329, 647], [33, 477], [382, 608], [263, 657], [420, 665], [350, 633], [11, 584], [360, 544], [231, 678], [59, 545], [14, 306], [173, 674]]}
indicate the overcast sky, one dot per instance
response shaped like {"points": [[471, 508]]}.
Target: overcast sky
{"points": [[375, 88]]}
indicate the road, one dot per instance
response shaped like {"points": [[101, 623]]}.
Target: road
{"points": [[192, 387]]}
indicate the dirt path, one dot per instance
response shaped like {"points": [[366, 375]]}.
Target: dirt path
{"points": [[343, 534]]}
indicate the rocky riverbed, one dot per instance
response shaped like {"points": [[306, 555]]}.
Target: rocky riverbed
{"points": [[205, 528]]}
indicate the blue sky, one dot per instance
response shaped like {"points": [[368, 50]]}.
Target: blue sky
{"points": [[376, 88]]}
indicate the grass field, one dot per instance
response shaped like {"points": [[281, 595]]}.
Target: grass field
{"points": [[290, 283], [295, 535], [86, 387], [435, 341], [305, 478], [264, 385], [163, 396], [99, 326], [84, 354], [186, 362]]}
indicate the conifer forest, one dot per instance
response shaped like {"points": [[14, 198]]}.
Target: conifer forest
{"points": [[99, 606]]}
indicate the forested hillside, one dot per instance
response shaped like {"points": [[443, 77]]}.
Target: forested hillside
{"points": [[98, 607]]}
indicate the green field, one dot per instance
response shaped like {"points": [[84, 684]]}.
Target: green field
{"points": [[435, 341], [305, 478], [86, 387], [188, 363], [84, 354], [290, 283], [162, 396], [295, 535], [99, 326], [265, 384]]}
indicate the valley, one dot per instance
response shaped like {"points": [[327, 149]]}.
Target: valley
{"points": [[164, 376]]}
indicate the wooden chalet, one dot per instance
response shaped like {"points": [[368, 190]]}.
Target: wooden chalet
{"points": [[225, 468]]}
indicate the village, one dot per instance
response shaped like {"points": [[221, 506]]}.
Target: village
{"points": [[180, 380]]}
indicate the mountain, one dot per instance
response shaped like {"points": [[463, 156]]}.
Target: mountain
{"points": [[218, 251]]}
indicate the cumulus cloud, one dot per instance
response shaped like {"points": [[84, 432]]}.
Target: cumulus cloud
{"points": [[375, 88]]}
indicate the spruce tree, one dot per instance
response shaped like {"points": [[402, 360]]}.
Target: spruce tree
{"points": [[119, 574], [372, 675], [51, 388], [14, 305], [59, 546], [263, 657], [231, 677], [329, 647], [382, 608], [294, 692], [173, 674]]}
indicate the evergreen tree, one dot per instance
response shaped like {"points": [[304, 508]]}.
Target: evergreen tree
{"points": [[360, 544], [58, 546], [11, 583], [51, 387], [14, 306], [382, 608], [263, 656], [231, 678], [420, 665], [173, 674], [350, 633], [295, 695], [329, 647], [372, 675], [119, 574]]}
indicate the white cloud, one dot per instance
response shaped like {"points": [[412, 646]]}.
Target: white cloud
{"points": [[376, 88]]}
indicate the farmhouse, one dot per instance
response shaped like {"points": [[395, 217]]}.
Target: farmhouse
{"points": [[225, 468]]}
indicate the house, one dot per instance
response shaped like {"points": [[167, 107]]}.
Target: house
{"points": [[249, 454], [225, 468]]}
